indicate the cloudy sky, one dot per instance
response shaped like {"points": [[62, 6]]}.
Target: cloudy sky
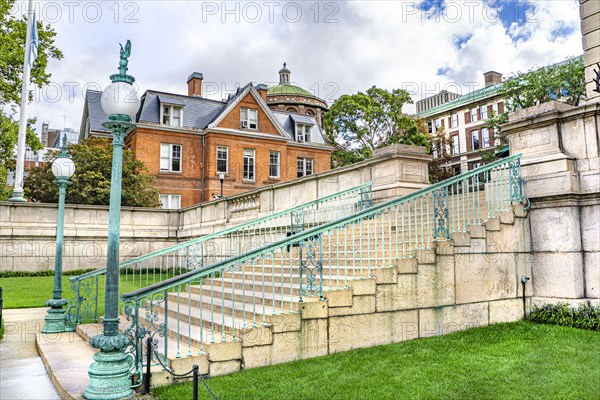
{"points": [[331, 47]]}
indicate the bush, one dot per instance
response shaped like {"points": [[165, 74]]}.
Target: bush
{"points": [[584, 317], [46, 272]]}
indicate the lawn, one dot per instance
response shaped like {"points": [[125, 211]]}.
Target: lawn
{"points": [[34, 291], [507, 361]]}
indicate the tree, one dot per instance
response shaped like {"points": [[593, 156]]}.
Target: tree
{"points": [[12, 53], [91, 181], [363, 122], [563, 82]]}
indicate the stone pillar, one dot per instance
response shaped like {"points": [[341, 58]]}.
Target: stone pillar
{"points": [[399, 169], [560, 163], [589, 11]]}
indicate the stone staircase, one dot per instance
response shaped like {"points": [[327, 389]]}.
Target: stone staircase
{"points": [[383, 280]]}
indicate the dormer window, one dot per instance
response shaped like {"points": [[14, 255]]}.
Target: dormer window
{"points": [[248, 118], [171, 115], [303, 133]]}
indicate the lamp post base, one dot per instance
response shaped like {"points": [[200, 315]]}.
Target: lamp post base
{"points": [[18, 197], [55, 320], [110, 374]]}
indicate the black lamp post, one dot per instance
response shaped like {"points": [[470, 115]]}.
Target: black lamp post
{"points": [[222, 178]]}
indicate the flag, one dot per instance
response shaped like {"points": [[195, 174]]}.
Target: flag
{"points": [[34, 42]]}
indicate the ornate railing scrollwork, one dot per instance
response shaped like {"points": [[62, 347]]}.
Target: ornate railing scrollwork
{"points": [[441, 229], [311, 267]]}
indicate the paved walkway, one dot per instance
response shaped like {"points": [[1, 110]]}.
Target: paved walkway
{"points": [[22, 373]]}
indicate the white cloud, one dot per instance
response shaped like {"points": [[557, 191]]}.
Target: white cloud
{"points": [[385, 43]]}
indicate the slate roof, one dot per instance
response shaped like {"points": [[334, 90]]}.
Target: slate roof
{"points": [[287, 120], [95, 112], [198, 112]]}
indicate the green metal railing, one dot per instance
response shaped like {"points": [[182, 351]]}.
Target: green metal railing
{"points": [[219, 302], [162, 264]]}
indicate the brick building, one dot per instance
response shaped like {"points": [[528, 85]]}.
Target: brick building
{"points": [[187, 141], [463, 120]]}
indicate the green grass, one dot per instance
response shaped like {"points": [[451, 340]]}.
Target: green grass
{"points": [[34, 291], [508, 361]]}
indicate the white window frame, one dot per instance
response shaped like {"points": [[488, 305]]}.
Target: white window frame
{"points": [[277, 165], [438, 124], [302, 167], [226, 150], [474, 115], [166, 201], [170, 158], [303, 133], [483, 110], [170, 115], [453, 120], [247, 121], [485, 138], [455, 145], [475, 134], [249, 165]]}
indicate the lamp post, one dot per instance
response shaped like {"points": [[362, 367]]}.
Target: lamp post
{"points": [[221, 178], [110, 373], [63, 168]]}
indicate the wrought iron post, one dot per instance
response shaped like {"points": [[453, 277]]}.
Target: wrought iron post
{"points": [[110, 373], [55, 320]]}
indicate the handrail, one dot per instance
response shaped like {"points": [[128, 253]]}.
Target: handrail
{"points": [[304, 235], [219, 233]]}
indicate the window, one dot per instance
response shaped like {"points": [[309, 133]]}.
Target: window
{"points": [[170, 201], [171, 115], [170, 157], [474, 115], [249, 118], [249, 164], [485, 138], [303, 133], [455, 145], [453, 120], [438, 124], [475, 139], [484, 112], [274, 164], [305, 167], [436, 149], [430, 126], [222, 158]]}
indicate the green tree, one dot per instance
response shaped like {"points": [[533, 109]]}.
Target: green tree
{"points": [[91, 181], [563, 82], [363, 122], [13, 33]]}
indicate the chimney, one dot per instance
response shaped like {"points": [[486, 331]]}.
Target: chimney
{"points": [[262, 90], [492, 78], [195, 84]]}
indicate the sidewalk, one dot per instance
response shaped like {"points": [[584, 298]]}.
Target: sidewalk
{"points": [[22, 373]]}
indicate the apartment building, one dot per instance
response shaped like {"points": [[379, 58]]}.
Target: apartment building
{"points": [[462, 119]]}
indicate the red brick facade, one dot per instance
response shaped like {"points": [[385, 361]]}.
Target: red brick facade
{"points": [[198, 179]]}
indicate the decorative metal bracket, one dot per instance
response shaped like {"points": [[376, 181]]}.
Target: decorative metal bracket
{"points": [[311, 267], [366, 198], [441, 228], [597, 78]]}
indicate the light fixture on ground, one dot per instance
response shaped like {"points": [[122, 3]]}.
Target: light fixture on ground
{"points": [[63, 168], [110, 373]]}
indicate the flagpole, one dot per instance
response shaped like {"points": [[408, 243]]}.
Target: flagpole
{"points": [[17, 193]]}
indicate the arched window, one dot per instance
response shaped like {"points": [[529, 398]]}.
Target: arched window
{"points": [[310, 112], [291, 109]]}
